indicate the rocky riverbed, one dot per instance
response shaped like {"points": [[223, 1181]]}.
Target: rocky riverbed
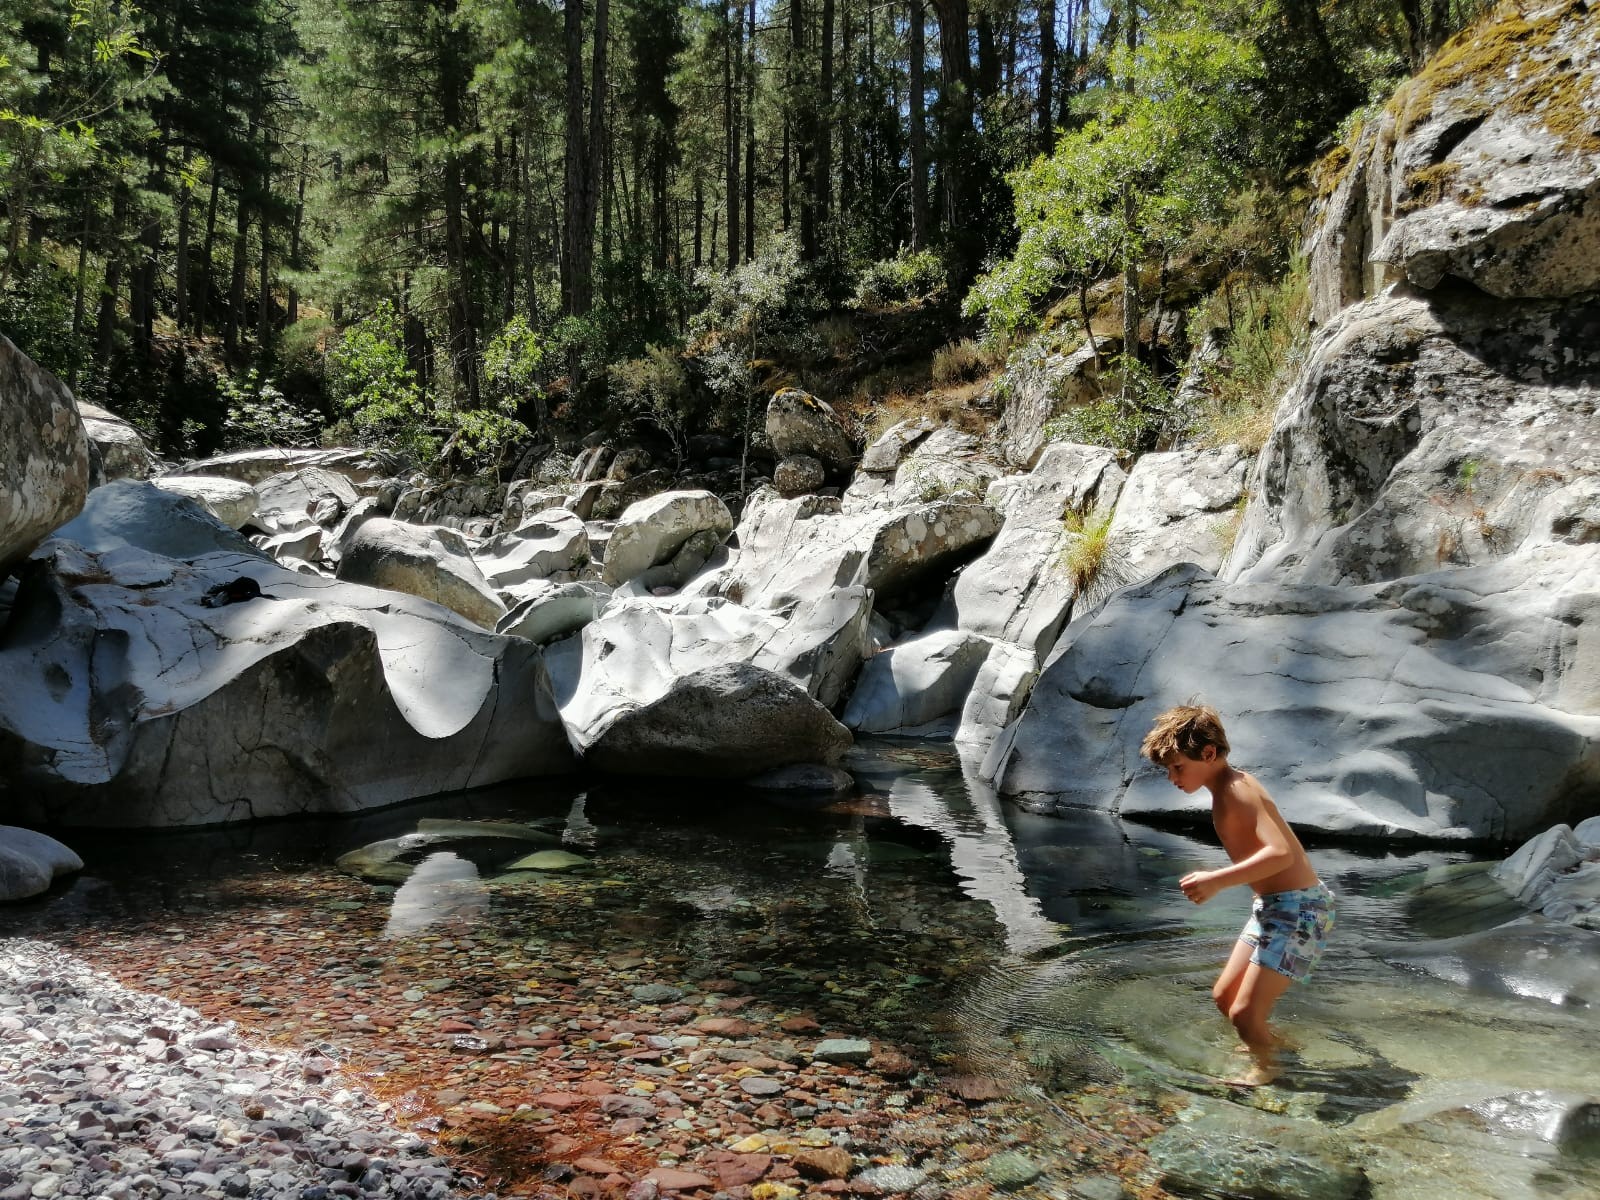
{"points": [[567, 1035]]}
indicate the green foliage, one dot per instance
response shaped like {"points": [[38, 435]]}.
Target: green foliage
{"points": [[1137, 419], [908, 276], [1267, 330], [36, 314], [751, 311], [1153, 158], [370, 380], [656, 387], [1090, 559], [259, 414], [511, 363]]}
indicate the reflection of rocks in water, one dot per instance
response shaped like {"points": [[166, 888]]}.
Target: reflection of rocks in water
{"points": [[1542, 961], [485, 844], [1452, 899], [442, 888], [1059, 1065]]}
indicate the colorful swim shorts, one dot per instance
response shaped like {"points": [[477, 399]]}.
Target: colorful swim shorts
{"points": [[1289, 930]]}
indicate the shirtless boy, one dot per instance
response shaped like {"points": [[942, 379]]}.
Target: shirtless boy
{"points": [[1293, 910]]}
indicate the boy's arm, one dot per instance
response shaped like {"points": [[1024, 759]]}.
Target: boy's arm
{"points": [[1273, 855]]}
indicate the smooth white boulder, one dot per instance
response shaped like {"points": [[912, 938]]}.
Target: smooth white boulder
{"points": [[916, 681], [730, 721], [546, 611], [363, 468], [549, 541], [432, 562], [44, 455], [116, 449], [228, 500], [132, 512], [651, 531], [30, 862], [130, 703], [1428, 708], [1176, 507]]}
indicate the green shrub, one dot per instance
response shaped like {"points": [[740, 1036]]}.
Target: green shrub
{"points": [[259, 414], [1266, 344], [370, 380], [36, 314], [918, 275], [656, 387], [1091, 560], [1136, 418]]}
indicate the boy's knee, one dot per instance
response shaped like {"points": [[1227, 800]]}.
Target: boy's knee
{"points": [[1243, 1015]]}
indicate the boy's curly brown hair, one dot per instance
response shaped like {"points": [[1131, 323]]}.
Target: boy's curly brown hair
{"points": [[1187, 730]]}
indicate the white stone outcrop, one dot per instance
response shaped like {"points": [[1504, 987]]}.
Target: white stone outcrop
{"points": [[1557, 873], [1482, 168], [130, 703], [799, 423], [228, 500], [652, 530], [432, 562], [132, 512], [1040, 383], [116, 449], [1434, 707], [544, 610], [362, 468], [44, 455], [1180, 506], [916, 682], [730, 721], [31, 861], [546, 543]]}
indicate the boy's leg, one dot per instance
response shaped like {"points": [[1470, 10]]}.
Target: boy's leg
{"points": [[1258, 991], [1226, 988]]}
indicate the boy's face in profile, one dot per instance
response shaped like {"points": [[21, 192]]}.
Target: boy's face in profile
{"points": [[1187, 774]]}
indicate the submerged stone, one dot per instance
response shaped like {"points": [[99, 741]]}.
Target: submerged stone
{"points": [[1210, 1158], [549, 860]]}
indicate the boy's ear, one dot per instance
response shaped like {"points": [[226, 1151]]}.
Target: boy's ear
{"points": [[1208, 753]]}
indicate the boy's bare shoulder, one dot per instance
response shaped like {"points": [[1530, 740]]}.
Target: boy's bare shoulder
{"points": [[1241, 790]]}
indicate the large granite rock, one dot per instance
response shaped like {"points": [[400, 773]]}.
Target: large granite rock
{"points": [[312, 492], [129, 703], [652, 530], [116, 449], [799, 423], [1558, 873], [916, 682], [545, 610], [1426, 433], [433, 562], [1483, 168], [228, 500], [1181, 506], [132, 512], [1018, 590], [31, 861], [730, 721], [797, 549], [363, 468], [1439, 706], [550, 541], [44, 455], [1039, 383], [946, 462], [634, 651]]}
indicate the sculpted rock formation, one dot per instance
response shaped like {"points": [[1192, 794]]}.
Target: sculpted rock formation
{"points": [[229, 501], [30, 862], [1406, 635], [432, 562], [651, 531], [44, 455], [132, 704], [116, 449]]}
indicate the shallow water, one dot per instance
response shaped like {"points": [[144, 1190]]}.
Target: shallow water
{"points": [[1442, 1051]]}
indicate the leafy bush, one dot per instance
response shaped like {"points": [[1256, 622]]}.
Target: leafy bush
{"points": [[1136, 419], [511, 363], [36, 314], [918, 275], [656, 387], [259, 414], [1266, 343], [370, 380]]}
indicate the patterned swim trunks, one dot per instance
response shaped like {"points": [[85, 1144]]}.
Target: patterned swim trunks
{"points": [[1289, 930]]}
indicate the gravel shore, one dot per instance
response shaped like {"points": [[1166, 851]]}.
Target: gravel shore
{"points": [[109, 1092]]}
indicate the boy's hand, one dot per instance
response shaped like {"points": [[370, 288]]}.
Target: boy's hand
{"points": [[1199, 886]]}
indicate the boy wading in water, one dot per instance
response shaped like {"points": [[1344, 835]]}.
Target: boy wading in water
{"points": [[1293, 910]]}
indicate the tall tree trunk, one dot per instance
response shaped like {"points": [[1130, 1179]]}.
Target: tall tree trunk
{"points": [[293, 312], [180, 264], [576, 161], [800, 100], [106, 322], [453, 72], [699, 220], [81, 285], [822, 189], [597, 143], [732, 69], [919, 127], [1046, 108], [750, 135], [1130, 255], [957, 162], [264, 306], [241, 249], [202, 282], [849, 126]]}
